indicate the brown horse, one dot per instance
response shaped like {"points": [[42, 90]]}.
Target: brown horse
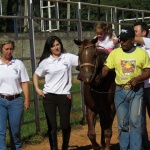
{"points": [[98, 96]]}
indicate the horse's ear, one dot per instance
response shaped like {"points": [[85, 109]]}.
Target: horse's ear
{"points": [[77, 42], [94, 40]]}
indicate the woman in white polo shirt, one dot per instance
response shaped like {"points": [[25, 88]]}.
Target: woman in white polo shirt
{"points": [[13, 79], [56, 66]]}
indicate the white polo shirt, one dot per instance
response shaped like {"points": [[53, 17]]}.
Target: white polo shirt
{"points": [[11, 76], [147, 48], [58, 73]]}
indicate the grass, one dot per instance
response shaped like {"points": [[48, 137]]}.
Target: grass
{"points": [[28, 131]]}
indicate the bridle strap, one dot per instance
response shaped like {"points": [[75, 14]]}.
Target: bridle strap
{"points": [[92, 45], [87, 64]]}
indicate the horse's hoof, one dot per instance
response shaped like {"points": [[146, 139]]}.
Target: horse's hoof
{"points": [[103, 148], [96, 148]]}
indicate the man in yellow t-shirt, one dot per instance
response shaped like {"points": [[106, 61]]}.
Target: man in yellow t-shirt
{"points": [[132, 67]]}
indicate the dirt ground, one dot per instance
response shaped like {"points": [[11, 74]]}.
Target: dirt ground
{"points": [[80, 141]]}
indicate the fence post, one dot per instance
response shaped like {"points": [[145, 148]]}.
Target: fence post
{"points": [[79, 25], [115, 20], [83, 104], [33, 64], [79, 30], [1, 11]]}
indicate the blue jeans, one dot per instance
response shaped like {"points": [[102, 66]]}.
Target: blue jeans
{"points": [[146, 103], [128, 105], [11, 110]]}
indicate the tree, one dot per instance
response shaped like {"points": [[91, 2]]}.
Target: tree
{"points": [[11, 10], [16, 7]]}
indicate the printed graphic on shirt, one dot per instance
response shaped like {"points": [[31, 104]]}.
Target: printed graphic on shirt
{"points": [[128, 66], [17, 71], [66, 64]]}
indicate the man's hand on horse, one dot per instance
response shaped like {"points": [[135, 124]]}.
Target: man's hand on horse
{"points": [[98, 79]]}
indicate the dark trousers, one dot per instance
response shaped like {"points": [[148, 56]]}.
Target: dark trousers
{"points": [[146, 104], [147, 99], [50, 103]]}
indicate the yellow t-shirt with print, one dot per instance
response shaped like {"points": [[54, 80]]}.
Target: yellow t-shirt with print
{"points": [[127, 65]]}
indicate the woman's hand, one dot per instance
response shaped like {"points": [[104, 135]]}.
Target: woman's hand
{"points": [[27, 104], [40, 92], [35, 81]]}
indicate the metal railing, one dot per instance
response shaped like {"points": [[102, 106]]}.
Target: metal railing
{"points": [[48, 10]]}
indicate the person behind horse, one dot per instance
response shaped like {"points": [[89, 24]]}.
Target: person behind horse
{"points": [[56, 66], [141, 32], [132, 67], [107, 40], [13, 80]]}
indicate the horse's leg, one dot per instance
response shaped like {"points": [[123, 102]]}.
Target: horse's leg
{"points": [[109, 114], [106, 132], [91, 120], [102, 124]]}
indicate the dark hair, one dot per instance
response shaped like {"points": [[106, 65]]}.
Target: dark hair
{"points": [[144, 27], [49, 43]]}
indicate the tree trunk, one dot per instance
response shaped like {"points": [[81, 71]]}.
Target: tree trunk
{"points": [[9, 22]]}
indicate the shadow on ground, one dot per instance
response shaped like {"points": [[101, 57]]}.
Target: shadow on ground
{"points": [[89, 147]]}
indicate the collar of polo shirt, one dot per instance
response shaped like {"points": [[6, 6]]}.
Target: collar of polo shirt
{"points": [[12, 61], [53, 59]]}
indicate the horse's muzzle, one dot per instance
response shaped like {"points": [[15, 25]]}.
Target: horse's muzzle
{"points": [[87, 78]]}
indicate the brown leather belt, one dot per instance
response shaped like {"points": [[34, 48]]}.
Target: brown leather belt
{"points": [[10, 97], [130, 87]]}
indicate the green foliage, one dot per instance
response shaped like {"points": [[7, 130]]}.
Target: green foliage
{"points": [[94, 12], [133, 4]]}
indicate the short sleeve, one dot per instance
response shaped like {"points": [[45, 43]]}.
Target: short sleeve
{"points": [[23, 73], [110, 61], [147, 42], [146, 60], [73, 59], [40, 69]]}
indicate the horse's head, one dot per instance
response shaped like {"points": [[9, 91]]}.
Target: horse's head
{"points": [[87, 59]]}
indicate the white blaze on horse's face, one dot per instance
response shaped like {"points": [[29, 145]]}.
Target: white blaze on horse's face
{"points": [[87, 62], [86, 59], [86, 52]]}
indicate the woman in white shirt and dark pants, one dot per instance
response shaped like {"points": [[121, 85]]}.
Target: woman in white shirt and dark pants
{"points": [[56, 66]]}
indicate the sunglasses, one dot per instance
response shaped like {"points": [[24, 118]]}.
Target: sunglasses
{"points": [[123, 40]]}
